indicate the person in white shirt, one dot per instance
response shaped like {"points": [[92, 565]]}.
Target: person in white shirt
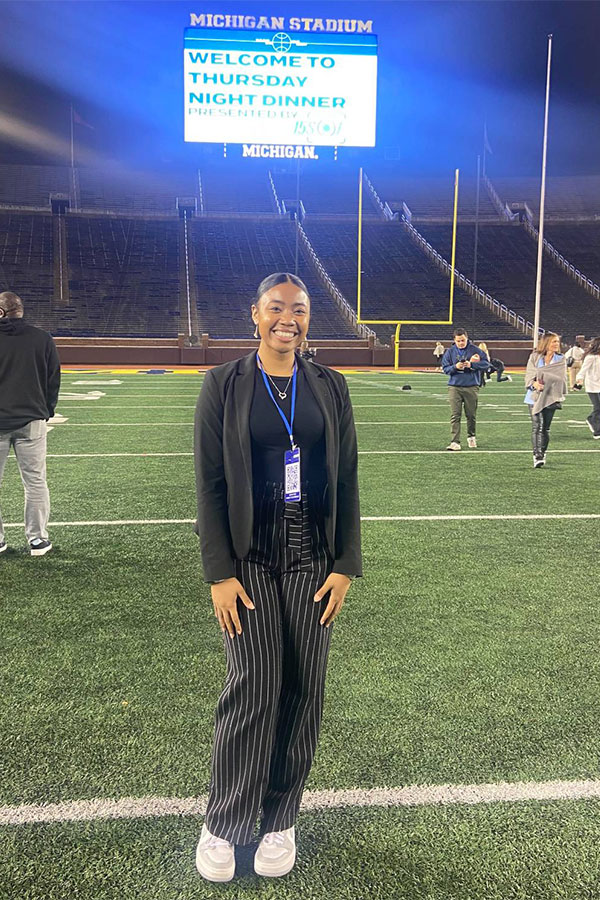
{"points": [[589, 377], [574, 353]]}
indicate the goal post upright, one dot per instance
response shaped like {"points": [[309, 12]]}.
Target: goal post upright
{"points": [[399, 322], [453, 259]]}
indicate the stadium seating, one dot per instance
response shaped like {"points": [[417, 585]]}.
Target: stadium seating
{"points": [[567, 197], [432, 198], [124, 275], [231, 259], [121, 190], [506, 268], [399, 281], [24, 186], [227, 191], [324, 193], [26, 254], [125, 258], [579, 244]]}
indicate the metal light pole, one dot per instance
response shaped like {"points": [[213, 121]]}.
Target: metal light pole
{"points": [[538, 280]]}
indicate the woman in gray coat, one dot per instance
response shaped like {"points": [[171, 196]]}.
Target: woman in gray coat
{"points": [[546, 382]]}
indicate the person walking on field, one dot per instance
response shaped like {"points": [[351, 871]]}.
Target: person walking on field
{"points": [[546, 382], [438, 352], [465, 364], [589, 377], [574, 357], [279, 527], [29, 384]]}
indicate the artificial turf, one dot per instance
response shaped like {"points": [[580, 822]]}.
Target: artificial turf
{"points": [[467, 653]]}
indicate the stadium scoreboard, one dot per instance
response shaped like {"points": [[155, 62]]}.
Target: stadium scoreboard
{"points": [[271, 87]]}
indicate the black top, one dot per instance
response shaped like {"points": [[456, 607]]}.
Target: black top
{"points": [[223, 461], [29, 374], [269, 435]]}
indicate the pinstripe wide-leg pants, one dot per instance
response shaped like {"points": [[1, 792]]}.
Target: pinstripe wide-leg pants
{"points": [[269, 713]]}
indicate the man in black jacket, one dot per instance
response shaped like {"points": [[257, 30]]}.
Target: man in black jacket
{"points": [[29, 383]]}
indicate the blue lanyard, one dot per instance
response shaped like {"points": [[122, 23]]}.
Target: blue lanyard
{"points": [[288, 425]]}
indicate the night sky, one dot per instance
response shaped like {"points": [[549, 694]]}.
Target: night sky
{"points": [[444, 68]]}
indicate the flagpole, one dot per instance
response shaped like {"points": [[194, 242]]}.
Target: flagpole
{"points": [[72, 144], [476, 241], [484, 142], [75, 204], [538, 280]]}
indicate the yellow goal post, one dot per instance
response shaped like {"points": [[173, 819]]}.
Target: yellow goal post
{"points": [[400, 322]]}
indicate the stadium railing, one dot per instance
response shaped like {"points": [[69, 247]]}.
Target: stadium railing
{"points": [[499, 309], [586, 283], [331, 288]]}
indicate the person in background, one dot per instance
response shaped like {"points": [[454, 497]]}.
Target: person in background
{"points": [[279, 527], [438, 352], [465, 364], [589, 377], [496, 365], [306, 352], [29, 384], [546, 383], [574, 358]]}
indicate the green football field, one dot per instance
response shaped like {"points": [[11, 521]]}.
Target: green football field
{"points": [[466, 657]]}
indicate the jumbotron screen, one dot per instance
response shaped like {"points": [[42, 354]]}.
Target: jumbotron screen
{"points": [[272, 87]]}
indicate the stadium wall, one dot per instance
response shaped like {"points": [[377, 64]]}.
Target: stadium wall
{"points": [[171, 352]]}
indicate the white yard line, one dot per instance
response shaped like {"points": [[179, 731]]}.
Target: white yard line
{"points": [[134, 406], [471, 454], [457, 518], [411, 795], [474, 517], [190, 424]]}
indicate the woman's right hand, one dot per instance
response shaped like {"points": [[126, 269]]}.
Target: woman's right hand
{"points": [[538, 385], [224, 598]]}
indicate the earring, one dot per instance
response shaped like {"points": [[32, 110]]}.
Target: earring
{"points": [[256, 334]]}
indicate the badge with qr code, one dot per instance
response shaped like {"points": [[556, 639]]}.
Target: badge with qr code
{"points": [[291, 462]]}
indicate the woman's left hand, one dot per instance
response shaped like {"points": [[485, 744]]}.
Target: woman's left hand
{"points": [[338, 585]]}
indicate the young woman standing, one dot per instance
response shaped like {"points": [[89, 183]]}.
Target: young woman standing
{"points": [[279, 527], [546, 382]]}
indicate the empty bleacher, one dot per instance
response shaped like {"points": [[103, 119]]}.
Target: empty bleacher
{"points": [[567, 197], [228, 191], [24, 186], [121, 190], [398, 281], [232, 257], [26, 255], [324, 194], [124, 276], [579, 244], [124, 260], [432, 198], [506, 269]]}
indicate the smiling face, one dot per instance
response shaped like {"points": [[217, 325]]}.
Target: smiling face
{"points": [[282, 315]]}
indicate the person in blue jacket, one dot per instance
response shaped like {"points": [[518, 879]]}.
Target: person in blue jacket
{"points": [[465, 364]]}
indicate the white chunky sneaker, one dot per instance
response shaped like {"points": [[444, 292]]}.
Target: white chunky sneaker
{"points": [[39, 546], [453, 446], [276, 853], [3, 546], [215, 858], [472, 442]]}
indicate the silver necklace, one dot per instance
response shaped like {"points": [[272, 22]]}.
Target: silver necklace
{"points": [[282, 394]]}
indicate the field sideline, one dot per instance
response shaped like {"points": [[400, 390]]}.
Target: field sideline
{"points": [[460, 743]]}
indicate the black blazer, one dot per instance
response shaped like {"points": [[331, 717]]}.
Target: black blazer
{"points": [[223, 459]]}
